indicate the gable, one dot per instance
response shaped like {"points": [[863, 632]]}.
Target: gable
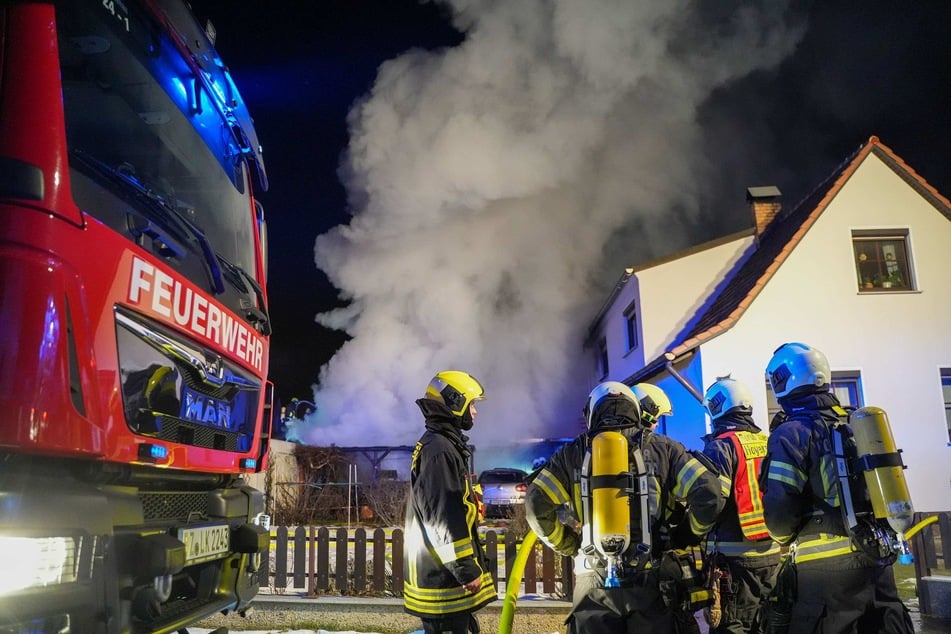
{"points": [[726, 304]]}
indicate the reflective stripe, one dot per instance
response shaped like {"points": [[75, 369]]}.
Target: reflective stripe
{"points": [[555, 537], [687, 475], [787, 474], [459, 549], [829, 475], [697, 527], [747, 549], [551, 486], [472, 511], [725, 485], [822, 547], [439, 601]]}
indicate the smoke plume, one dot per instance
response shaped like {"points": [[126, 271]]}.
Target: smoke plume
{"points": [[498, 188]]}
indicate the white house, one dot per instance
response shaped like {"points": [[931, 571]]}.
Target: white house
{"points": [[860, 269]]}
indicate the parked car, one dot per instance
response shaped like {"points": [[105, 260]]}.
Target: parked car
{"points": [[502, 490]]}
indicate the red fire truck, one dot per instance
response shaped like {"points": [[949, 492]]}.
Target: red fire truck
{"points": [[133, 322]]}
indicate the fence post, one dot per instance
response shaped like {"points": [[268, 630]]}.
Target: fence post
{"points": [[492, 554], [360, 560], [548, 571], [944, 527], [300, 555], [311, 559], [531, 573], [398, 563], [280, 560], [511, 550], [379, 560], [264, 573], [568, 577], [343, 547], [323, 559]]}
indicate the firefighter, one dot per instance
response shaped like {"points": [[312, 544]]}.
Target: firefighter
{"points": [[836, 586], [447, 575], [743, 556], [564, 515]]}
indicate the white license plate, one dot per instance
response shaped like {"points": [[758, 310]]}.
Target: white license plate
{"points": [[204, 543]]}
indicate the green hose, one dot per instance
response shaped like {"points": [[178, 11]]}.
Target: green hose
{"points": [[515, 582]]}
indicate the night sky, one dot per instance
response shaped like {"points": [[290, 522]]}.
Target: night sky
{"points": [[670, 132], [300, 65]]}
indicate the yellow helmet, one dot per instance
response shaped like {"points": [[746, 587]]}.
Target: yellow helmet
{"points": [[456, 390], [653, 401]]}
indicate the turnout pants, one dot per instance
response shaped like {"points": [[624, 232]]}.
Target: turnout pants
{"points": [[459, 623], [847, 594], [748, 584], [636, 610]]}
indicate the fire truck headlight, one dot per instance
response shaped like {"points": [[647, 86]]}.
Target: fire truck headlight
{"points": [[31, 562]]}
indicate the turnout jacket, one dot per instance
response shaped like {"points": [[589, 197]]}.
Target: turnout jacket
{"points": [[800, 493], [441, 548], [553, 499], [736, 448]]}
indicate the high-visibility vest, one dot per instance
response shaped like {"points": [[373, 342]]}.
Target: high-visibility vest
{"points": [[750, 451]]}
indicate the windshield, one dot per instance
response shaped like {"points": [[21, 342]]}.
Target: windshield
{"points": [[150, 153]]}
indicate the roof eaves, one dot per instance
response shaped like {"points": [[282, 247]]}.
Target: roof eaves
{"points": [[615, 292], [910, 176], [733, 317]]}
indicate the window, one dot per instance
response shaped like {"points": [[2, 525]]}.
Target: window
{"points": [[882, 261], [603, 358], [946, 391], [630, 322], [847, 386]]}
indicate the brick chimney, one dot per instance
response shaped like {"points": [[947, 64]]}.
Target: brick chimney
{"points": [[765, 203]]}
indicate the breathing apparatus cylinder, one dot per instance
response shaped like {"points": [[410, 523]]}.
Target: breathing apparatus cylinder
{"points": [[882, 466], [610, 502]]}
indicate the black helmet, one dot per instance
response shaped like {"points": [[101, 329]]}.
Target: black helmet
{"points": [[611, 406]]}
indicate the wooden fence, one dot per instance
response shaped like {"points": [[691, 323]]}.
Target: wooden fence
{"points": [[931, 547], [321, 560]]}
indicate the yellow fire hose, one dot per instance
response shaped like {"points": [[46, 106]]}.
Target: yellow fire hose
{"points": [[917, 527], [515, 582]]}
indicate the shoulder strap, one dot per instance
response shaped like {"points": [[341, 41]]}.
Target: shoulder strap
{"points": [[841, 437], [642, 491]]}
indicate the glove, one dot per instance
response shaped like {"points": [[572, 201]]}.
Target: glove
{"points": [[681, 537]]}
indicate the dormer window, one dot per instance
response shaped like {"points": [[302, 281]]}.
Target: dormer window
{"points": [[882, 261]]}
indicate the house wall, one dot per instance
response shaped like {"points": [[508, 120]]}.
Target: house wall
{"points": [[897, 340], [688, 424], [283, 468], [679, 285]]}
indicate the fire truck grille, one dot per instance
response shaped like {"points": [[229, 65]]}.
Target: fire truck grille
{"points": [[180, 431], [173, 506]]}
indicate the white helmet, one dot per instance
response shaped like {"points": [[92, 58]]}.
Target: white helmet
{"points": [[796, 365], [611, 405], [653, 401], [727, 395]]}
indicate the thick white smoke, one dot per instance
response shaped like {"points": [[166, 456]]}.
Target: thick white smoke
{"points": [[488, 184]]}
